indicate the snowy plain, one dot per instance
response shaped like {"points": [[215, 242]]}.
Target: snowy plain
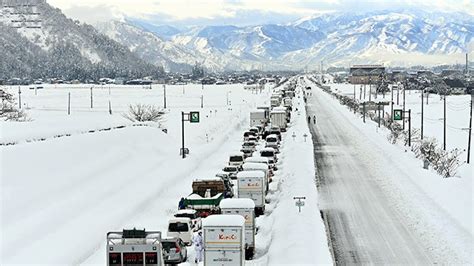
{"points": [[65, 193]]}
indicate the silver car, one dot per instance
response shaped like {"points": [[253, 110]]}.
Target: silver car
{"points": [[174, 250]]}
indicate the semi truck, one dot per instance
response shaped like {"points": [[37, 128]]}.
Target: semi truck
{"points": [[134, 247], [224, 240], [245, 208]]}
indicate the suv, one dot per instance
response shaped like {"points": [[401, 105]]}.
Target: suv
{"points": [[174, 250], [191, 214]]}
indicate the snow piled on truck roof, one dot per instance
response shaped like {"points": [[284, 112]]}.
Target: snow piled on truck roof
{"points": [[238, 203], [224, 220], [245, 174]]}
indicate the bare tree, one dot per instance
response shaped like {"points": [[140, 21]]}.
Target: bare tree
{"points": [[144, 112], [8, 109]]}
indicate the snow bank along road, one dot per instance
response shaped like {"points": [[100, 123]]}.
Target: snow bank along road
{"points": [[375, 213]]}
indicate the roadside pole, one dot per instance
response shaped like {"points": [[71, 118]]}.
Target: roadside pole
{"points": [[164, 96], [470, 130], [110, 108], [391, 104], [444, 123], [19, 97], [422, 114], [409, 127], [404, 89], [68, 103], [363, 110], [378, 109], [92, 99]]}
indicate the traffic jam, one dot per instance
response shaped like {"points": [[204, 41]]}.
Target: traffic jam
{"points": [[218, 218]]}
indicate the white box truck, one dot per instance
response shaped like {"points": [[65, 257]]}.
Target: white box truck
{"points": [[258, 117], [251, 185], [278, 119], [224, 240], [245, 208], [134, 247]]}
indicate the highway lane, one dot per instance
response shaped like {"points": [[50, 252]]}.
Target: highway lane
{"points": [[364, 226]]}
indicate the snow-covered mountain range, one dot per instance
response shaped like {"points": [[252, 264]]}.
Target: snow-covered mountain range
{"points": [[402, 37], [394, 37]]}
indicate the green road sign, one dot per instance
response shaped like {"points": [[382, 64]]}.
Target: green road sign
{"points": [[194, 117], [397, 114]]}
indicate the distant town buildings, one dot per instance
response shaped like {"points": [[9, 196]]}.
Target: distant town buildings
{"points": [[366, 74]]}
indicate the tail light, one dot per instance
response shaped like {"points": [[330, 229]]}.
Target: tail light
{"points": [[178, 249]]}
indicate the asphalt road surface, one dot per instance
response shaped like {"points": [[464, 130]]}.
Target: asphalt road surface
{"points": [[364, 227]]}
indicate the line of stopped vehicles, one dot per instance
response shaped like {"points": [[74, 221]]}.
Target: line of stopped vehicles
{"points": [[223, 207]]}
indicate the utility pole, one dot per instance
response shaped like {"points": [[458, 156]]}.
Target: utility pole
{"points": [[92, 100], [110, 108], [398, 95], [164, 96], [444, 122], [409, 127], [19, 97], [391, 104], [427, 96], [470, 130], [378, 109], [363, 110], [370, 90], [202, 101], [404, 89], [422, 114], [68, 103], [360, 92], [364, 90]]}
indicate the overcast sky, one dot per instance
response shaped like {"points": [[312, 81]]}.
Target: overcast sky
{"points": [[236, 12]]}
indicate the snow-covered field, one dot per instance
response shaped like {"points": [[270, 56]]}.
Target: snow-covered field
{"points": [[59, 196]]}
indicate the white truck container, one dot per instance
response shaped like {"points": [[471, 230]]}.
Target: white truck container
{"points": [[259, 167], [267, 112], [258, 117], [278, 119], [251, 185], [224, 240], [134, 247], [245, 208]]}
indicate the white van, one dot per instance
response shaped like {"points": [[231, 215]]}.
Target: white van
{"points": [[181, 228], [236, 159]]}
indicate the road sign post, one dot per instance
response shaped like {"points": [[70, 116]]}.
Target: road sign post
{"points": [[300, 203], [192, 117]]}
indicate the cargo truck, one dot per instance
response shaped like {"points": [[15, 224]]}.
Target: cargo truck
{"points": [[224, 240], [251, 185], [258, 117], [134, 247], [245, 208], [278, 119]]}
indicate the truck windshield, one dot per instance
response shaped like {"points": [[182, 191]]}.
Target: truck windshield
{"points": [[236, 159], [178, 227]]}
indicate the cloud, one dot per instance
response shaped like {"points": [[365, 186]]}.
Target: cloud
{"points": [[191, 12]]}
